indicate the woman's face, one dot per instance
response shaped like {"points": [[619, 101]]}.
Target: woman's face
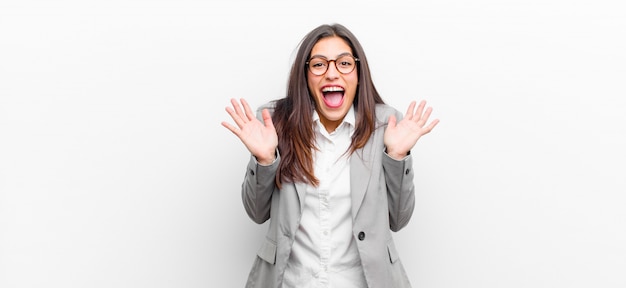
{"points": [[333, 91]]}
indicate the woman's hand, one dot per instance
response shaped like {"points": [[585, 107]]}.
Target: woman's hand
{"points": [[259, 138], [400, 137]]}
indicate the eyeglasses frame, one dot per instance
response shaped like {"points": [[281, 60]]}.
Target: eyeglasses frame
{"points": [[356, 61]]}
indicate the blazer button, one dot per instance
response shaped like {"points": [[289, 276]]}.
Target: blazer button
{"points": [[407, 171], [252, 172], [361, 235]]}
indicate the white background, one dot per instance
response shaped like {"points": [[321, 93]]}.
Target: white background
{"points": [[116, 172]]}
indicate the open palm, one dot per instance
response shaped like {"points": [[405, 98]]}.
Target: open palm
{"points": [[400, 137], [260, 138]]}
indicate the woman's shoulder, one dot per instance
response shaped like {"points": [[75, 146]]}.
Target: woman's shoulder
{"points": [[267, 105], [383, 111], [270, 106]]}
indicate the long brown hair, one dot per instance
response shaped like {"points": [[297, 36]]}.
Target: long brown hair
{"points": [[293, 115]]}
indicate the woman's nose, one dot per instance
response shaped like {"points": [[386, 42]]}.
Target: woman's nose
{"points": [[332, 72]]}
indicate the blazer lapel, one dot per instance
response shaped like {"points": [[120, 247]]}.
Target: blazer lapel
{"points": [[361, 165]]}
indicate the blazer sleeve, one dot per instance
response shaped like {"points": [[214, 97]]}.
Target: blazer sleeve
{"points": [[400, 190], [400, 186], [259, 184], [257, 188]]}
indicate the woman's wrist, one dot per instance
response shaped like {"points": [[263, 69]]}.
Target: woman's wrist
{"points": [[397, 155], [267, 159]]}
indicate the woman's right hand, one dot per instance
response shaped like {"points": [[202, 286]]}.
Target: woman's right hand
{"points": [[259, 138]]}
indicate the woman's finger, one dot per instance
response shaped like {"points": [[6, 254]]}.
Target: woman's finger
{"points": [[431, 126], [238, 110], [409, 111], [249, 114], [420, 109], [424, 118], [232, 128], [236, 118]]}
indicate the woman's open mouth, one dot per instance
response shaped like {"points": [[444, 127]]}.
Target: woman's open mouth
{"points": [[333, 96]]}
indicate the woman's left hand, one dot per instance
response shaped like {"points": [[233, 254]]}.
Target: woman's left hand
{"points": [[400, 137]]}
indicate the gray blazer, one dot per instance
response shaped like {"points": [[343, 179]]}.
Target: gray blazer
{"points": [[383, 200]]}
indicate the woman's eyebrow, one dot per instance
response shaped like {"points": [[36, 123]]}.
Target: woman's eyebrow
{"points": [[322, 56]]}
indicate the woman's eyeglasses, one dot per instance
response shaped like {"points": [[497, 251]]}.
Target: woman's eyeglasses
{"points": [[344, 64]]}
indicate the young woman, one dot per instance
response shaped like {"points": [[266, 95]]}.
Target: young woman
{"points": [[331, 169]]}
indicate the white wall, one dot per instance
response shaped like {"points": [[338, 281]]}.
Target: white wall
{"points": [[115, 171]]}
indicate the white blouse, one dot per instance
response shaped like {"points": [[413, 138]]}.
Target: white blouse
{"points": [[324, 253]]}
